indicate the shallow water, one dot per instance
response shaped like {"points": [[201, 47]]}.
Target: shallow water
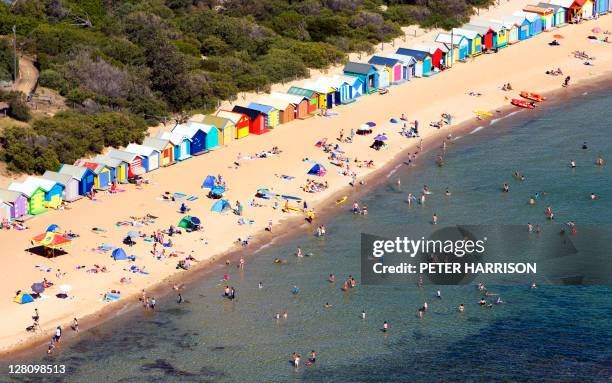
{"points": [[554, 331]]}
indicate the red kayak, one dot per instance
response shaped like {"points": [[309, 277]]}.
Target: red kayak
{"points": [[522, 103], [533, 96]]}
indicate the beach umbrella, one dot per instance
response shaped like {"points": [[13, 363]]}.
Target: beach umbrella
{"points": [[596, 30], [38, 287], [195, 221], [52, 227], [65, 288], [558, 36], [370, 124], [133, 234], [380, 137]]}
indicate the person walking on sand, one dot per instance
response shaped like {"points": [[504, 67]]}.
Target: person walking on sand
{"points": [[75, 325], [152, 303], [58, 334]]}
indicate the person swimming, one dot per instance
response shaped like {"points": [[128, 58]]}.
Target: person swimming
{"points": [[584, 146], [385, 326], [599, 161], [461, 307], [572, 164], [447, 193], [593, 196], [299, 253], [295, 290], [482, 302], [506, 188], [439, 294], [332, 278]]}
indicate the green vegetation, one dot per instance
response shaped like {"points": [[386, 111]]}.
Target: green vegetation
{"points": [[6, 61], [150, 58]]}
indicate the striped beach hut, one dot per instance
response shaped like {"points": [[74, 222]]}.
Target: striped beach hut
{"points": [[391, 65], [311, 95], [241, 122], [134, 161], [458, 43], [408, 63], [355, 86], [165, 148], [474, 39], [547, 15], [118, 167], [17, 201], [150, 156], [34, 194], [286, 110], [70, 192], [85, 176], [300, 103], [424, 66], [601, 7], [344, 91], [559, 17], [366, 73], [182, 144]]}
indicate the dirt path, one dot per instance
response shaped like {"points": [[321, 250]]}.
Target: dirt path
{"points": [[28, 75]]}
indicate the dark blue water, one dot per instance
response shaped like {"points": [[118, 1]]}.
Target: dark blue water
{"points": [[553, 333]]}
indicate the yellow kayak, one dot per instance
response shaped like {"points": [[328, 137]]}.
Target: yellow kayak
{"points": [[483, 113], [341, 200]]}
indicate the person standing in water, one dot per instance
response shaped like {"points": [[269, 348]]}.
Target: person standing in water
{"points": [[385, 326], [434, 219]]}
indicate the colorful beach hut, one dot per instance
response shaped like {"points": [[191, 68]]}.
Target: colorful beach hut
{"points": [[103, 174], [392, 66], [225, 126], [523, 25], [488, 36], [458, 43], [165, 148], [241, 122], [5, 212], [117, 167], [197, 136], [181, 144], [438, 52], [311, 95], [134, 161], [150, 156], [424, 67], [408, 63], [286, 110], [257, 120], [70, 191], [500, 32], [601, 7], [559, 14], [512, 29], [473, 38], [576, 10], [53, 190], [547, 15], [326, 92], [353, 88], [34, 194], [17, 201], [343, 94], [300, 103], [535, 21], [271, 114], [85, 176], [367, 73]]}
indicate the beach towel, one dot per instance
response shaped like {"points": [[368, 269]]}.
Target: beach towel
{"points": [[177, 194], [288, 178], [192, 198]]}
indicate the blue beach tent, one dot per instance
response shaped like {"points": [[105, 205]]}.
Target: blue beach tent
{"points": [[209, 182], [119, 254], [317, 170], [221, 206]]}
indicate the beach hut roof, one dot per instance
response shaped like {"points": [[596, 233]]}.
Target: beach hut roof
{"points": [[496, 26], [538, 9], [76, 171], [555, 7], [141, 150], [431, 47], [517, 19], [292, 98], [60, 178], [380, 60], [416, 53], [301, 91], [204, 127], [232, 116], [528, 15], [359, 68], [156, 143], [468, 33], [27, 189], [217, 121], [446, 38], [482, 29], [94, 166], [563, 3], [261, 107], [108, 161], [43, 183], [9, 196], [186, 130], [274, 102], [252, 113], [175, 138], [121, 154], [341, 78], [408, 60], [319, 86]]}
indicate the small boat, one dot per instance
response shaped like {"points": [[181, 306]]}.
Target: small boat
{"points": [[341, 200], [533, 96], [522, 103], [483, 113]]}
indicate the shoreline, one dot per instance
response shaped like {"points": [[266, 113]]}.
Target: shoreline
{"points": [[386, 160], [324, 213]]}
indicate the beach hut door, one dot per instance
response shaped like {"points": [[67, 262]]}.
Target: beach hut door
{"points": [[330, 100]]}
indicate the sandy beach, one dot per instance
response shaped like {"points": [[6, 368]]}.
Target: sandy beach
{"points": [[523, 65]]}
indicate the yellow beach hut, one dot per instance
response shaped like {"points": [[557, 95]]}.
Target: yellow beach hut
{"points": [[225, 126], [325, 91], [512, 35]]}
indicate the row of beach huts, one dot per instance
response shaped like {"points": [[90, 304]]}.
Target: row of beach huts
{"points": [[73, 181]]}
